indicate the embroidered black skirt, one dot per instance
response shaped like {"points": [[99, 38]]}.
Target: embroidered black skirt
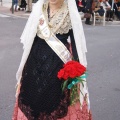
{"points": [[40, 93]]}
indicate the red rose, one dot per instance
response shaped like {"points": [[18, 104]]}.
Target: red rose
{"points": [[60, 74], [66, 76], [82, 69], [71, 69], [69, 63], [67, 69], [73, 74]]}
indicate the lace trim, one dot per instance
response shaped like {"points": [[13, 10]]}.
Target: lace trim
{"points": [[74, 113], [27, 112], [60, 23], [66, 26]]}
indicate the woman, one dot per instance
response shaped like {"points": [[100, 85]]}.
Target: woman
{"points": [[39, 93]]}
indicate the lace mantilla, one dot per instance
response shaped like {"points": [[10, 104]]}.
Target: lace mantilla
{"points": [[60, 23]]}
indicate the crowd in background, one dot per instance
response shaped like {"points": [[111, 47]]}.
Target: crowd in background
{"points": [[110, 7], [24, 5]]}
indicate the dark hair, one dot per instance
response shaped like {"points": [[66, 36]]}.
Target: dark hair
{"points": [[101, 7]]}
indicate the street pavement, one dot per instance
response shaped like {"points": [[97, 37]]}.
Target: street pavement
{"points": [[5, 9], [103, 66]]}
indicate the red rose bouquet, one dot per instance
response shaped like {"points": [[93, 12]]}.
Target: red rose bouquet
{"points": [[72, 73]]}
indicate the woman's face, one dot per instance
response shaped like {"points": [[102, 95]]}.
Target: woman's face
{"points": [[55, 1]]}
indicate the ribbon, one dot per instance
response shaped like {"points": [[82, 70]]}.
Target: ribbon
{"points": [[74, 81], [77, 80], [84, 76]]}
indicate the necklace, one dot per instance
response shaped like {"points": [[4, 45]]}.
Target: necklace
{"points": [[52, 13]]}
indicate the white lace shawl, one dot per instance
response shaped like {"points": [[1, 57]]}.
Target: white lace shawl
{"points": [[28, 35]]}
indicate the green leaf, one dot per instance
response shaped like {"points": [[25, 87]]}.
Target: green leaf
{"points": [[81, 92], [82, 84], [64, 85], [81, 81]]}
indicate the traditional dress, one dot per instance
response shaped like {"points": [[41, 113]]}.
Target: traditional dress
{"points": [[40, 96]]}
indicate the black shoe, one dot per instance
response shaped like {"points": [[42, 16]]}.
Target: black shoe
{"points": [[28, 11], [110, 19], [88, 23], [107, 20]]}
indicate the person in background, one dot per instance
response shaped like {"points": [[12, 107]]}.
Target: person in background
{"points": [[22, 4], [97, 5], [29, 6], [117, 9], [110, 2], [98, 9], [15, 3], [81, 5], [88, 9], [19, 3], [109, 13]]}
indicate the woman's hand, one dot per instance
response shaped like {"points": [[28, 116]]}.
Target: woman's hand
{"points": [[81, 6]]}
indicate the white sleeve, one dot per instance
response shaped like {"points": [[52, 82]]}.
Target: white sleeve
{"points": [[102, 4], [108, 4]]}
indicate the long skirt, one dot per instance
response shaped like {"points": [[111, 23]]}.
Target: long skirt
{"points": [[40, 95]]}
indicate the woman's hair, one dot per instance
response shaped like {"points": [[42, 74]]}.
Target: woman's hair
{"points": [[101, 7]]}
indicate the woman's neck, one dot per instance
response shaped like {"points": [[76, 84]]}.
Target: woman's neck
{"points": [[56, 6]]}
